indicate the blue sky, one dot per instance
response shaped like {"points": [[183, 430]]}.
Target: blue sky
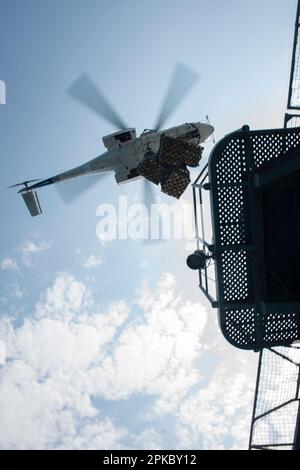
{"points": [[53, 297]]}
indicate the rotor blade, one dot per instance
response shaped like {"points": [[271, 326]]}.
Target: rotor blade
{"points": [[182, 81], [23, 183], [148, 194], [70, 190], [148, 200], [88, 94]]}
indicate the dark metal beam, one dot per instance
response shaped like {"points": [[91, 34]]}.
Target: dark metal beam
{"points": [[279, 307], [289, 164]]}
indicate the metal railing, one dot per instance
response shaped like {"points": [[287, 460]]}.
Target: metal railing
{"points": [[207, 277]]}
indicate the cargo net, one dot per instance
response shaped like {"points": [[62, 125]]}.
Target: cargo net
{"points": [[275, 424], [175, 181], [177, 152], [169, 166]]}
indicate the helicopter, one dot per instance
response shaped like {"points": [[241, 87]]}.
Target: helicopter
{"points": [[158, 156]]}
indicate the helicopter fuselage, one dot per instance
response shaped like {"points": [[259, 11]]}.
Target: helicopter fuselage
{"points": [[130, 150], [125, 151], [124, 154]]}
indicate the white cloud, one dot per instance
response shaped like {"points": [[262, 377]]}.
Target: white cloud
{"points": [[148, 438], [219, 413], [31, 249], [15, 291], [71, 353], [9, 264], [157, 355], [45, 384], [92, 261], [2, 353]]}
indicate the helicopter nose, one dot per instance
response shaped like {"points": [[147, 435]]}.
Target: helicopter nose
{"points": [[206, 130]]}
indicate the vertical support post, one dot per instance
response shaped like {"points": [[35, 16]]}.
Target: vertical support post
{"points": [[255, 398], [196, 216], [296, 445], [297, 24]]}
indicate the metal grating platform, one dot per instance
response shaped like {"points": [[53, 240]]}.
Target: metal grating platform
{"points": [[239, 165]]}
